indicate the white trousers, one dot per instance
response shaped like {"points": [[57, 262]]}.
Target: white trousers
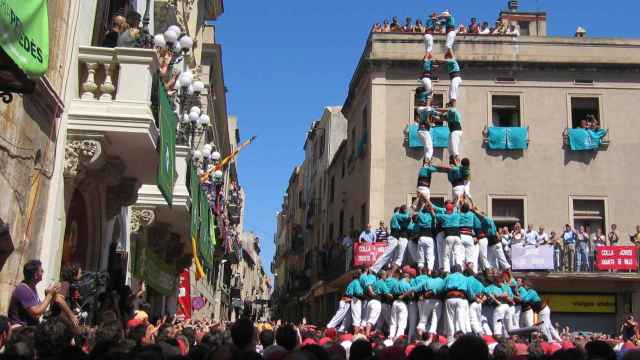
{"points": [[497, 259], [547, 326], [356, 311], [470, 253], [500, 320], [451, 38], [338, 317], [517, 312], [374, 308], [428, 42], [452, 247], [430, 312], [412, 308], [527, 318], [454, 88], [455, 144], [427, 249], [456, 316], [399, 315], [428, 86], [483, 253], [475, 318], [428, 143], [424, 192], [393, 252], [510, 317]]}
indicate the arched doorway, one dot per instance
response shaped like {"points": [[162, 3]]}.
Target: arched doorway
{"points": [[76, 236]]}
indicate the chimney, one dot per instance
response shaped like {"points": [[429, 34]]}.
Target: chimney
{"points": [[513, 5]]}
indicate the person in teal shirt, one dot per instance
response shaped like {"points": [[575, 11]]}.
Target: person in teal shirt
{"points": [[397, 241], [450, 26], [399, 311], [467, 221], [381, 293], [456, 305], [430, 306], [530, 299], [356, 293], [449, 221], [424, 221], [495, 253]]}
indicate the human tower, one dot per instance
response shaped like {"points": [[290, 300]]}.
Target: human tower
{"points": [[459, 283]]}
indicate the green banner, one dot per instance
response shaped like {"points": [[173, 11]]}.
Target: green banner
{"points": [[167, 163], [212, 229], [24, 34], [158, 274], [194, 189], [205, 248]]}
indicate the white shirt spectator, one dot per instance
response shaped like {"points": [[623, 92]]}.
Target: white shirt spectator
{"points": [[485, 31], [368, 236], [531, 238], [517, 237], [542, 237]]}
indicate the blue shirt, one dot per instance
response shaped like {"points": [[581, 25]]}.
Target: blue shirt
{"points": [[424, 220], [391, 282], [474, 287], [569, 237], [532, 297], [422, 96], [436, 285], [417, 283], [506, 289], [452, 66], [402, 287], [427, 65], [450, 22], [354, 288], [522, 292], [369, 236], [380, 287], [488, 226], [455, 175], [455, 281], [494, 290], [466, 219], [424, 175], [449, 221], [400, 221], [367, 280]]}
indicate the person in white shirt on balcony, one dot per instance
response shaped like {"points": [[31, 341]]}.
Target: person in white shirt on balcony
{"points": [[541, 236], [367, 235], [530, 236], [517, 235]]}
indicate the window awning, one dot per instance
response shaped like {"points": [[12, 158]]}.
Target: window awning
{"points": [[24, 34]]}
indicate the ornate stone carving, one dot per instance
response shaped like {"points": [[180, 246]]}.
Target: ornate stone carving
{"points": [[80, 155], [125, 193], [141, 218]]}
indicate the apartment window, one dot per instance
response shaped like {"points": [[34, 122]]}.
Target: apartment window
{"points": [[322, 143], [589, 213], [507, 212], [524, 28], [300, 200], [583, 106], [353, 142], [363, 216], [332, 189], [341, 222], [505, 110]]}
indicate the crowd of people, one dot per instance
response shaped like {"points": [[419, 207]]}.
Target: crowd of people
{"points": [[435, 24]]}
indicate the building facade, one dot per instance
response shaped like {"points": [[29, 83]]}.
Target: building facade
{"points": [[543, 84]]}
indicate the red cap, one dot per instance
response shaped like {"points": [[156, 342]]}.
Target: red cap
{"points": [[409, 270], [309, 341], [346, 337], [442, 340], [324, 341], [409, 349], [449, 207], [567, 345]]}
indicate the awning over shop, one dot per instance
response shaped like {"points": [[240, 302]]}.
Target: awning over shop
{"points": [[24, 34]]}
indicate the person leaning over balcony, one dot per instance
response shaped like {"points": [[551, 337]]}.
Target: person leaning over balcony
{"points": [[614, 235], [582, 248], [118, 24], [386, 27], [408, 27], [418, 27], [474, 27], [635, 238], [569, 237], [485, 30], [377, 28], [513, 29], [530, 236], [517, 235], [381, 232], [395, 25], [129, 36], [367, 235]]}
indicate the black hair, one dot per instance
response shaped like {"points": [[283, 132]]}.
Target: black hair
{"points": [[52, 337], [190, 334], [469, 347], [5, 325], [465, 162], [287, 337], [69, 272], [266, 338], [30, 269], [421, 352], [242, 332], [360, 350]]}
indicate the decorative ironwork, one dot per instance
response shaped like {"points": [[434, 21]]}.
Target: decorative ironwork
{"points": [[7, 97]]}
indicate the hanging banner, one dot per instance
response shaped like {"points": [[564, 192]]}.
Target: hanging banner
{"points": [[184, 294], [167, 163], [617, 258], [24, 34], [532, 257], [367, 253], [581, 303], [157, 273]]}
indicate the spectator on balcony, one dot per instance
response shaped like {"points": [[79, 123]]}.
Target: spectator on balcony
{"points": [[461, 29], [530, 236], [395, 25], [385, 26], [598, 239], [505, 239], [569, 237], [541, 236], [381, 232], [614, 235], [377, 28], [474, 26], [485, 29], [635, 238], [513, 29], [582, 247], [118, 24], [556, 242], [517, 235], [129, 36], [408, 27], [367, 235], [419, 27]]}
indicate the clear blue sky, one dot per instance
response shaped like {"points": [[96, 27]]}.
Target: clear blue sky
{"points": [[285, 60]]}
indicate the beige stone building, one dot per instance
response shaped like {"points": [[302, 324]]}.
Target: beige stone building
{"points": [[545, 84]]}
